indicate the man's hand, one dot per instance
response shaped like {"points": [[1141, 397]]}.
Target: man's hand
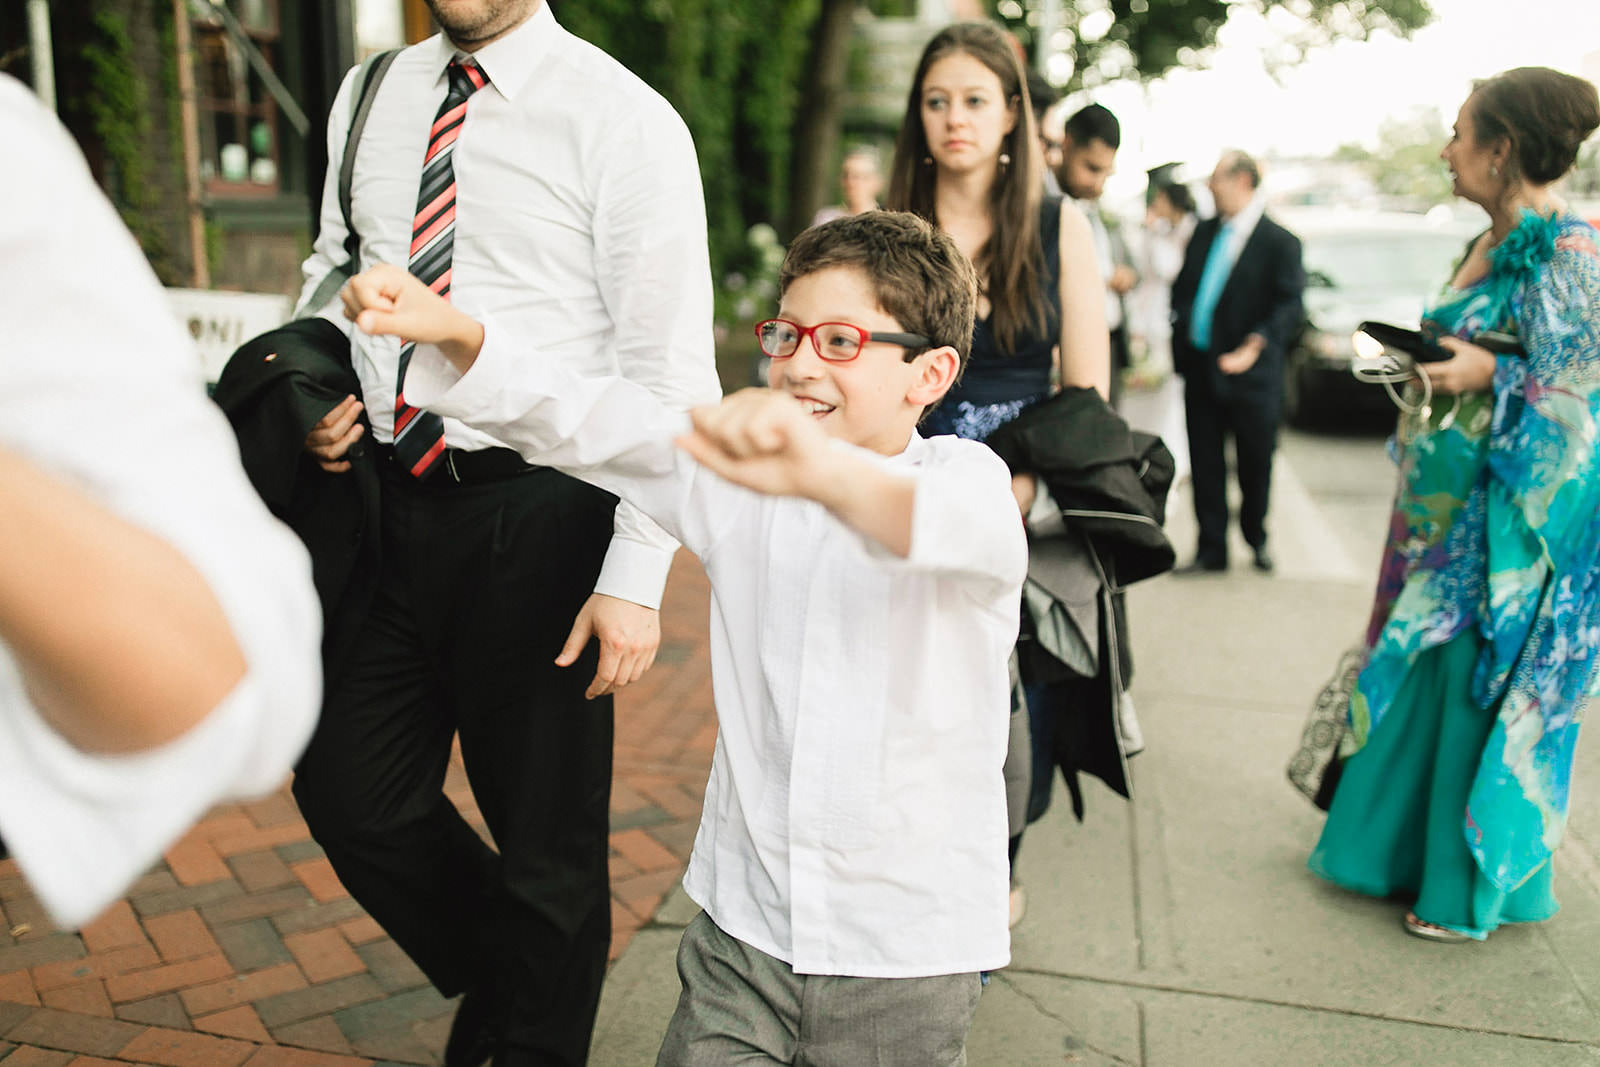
{"points": [[629, 635], [1469, 370], [1123, 279], [1242, 358], [1024, 487], [763, 440], [386, 300], [333, 435]]}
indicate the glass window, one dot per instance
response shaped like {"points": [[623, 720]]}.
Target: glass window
{"points": [[239, 121]]}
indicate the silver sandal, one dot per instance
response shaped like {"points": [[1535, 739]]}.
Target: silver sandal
{"points": [[1431, 931]]}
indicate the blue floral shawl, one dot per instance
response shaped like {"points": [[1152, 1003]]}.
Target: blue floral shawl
{"points": [[1496, 526]]}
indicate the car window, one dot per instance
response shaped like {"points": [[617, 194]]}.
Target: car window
{"points": [[1404, 262]]}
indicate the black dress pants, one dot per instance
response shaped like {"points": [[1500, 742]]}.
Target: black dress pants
{"points": [[1217, 406], [1121, 360], [480, 586]]}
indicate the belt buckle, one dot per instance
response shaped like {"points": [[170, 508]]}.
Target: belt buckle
{"points": [[450, 465]]}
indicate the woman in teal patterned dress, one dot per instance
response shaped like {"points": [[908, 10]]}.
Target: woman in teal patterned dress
{"points": [[1483, 639]]}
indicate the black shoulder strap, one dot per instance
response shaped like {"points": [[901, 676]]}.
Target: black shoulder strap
{"points": [[378, 67], [373, 69]]}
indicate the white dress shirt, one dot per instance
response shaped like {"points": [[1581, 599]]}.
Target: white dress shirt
{"points": [[855, 817], [1105, 254], [580, 226], [102, 387]]}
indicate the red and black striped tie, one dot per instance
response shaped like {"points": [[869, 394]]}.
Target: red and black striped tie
{"points": [[418, 434]]}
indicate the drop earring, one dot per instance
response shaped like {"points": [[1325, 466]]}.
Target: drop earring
{"points": [[1494, 171]]}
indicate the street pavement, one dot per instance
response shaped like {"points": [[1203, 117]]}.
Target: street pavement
{"points": [[1180, 929], [1184, 928]]}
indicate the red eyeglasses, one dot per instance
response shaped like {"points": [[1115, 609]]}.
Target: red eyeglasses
{"points": [[836, 342]]}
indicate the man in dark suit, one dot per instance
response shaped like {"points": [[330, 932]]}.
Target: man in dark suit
{"points": [[1235, 308]]}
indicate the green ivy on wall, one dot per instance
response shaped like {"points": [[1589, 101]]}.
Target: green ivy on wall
{"points": [[731, 68], [116, 102]]}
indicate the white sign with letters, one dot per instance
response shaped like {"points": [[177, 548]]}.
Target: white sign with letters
{"points": [[221, 321]]}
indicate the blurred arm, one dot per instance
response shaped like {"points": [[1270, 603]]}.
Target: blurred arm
{"points": [[1085, 337], [129, 518]]}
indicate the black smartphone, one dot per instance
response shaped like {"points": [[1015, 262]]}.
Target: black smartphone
{"points": [[1411, 342], [1503, 344]]}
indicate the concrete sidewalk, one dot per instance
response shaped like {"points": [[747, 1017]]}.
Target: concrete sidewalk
{"points": [[1184, 928]]}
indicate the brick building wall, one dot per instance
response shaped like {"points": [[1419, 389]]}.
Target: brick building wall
{"points": [[116, 78]]}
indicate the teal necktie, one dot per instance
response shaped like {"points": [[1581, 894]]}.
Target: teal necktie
{"points": [[1209, 291]]}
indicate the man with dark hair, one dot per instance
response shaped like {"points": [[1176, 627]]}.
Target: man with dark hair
{"points": [[1235, 306], [1095, 122], [1089, 146]]}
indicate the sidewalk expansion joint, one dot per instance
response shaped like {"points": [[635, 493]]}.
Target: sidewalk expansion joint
{"points": [[1241, 998], [1039, 1007]]}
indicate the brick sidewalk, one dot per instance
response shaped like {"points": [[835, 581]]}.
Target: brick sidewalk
{"points": [[243, 950]]}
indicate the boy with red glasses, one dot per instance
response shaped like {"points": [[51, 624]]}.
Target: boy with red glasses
{"points": [[851, 859]]}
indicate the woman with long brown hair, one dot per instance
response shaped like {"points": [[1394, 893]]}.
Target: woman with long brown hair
{"points": [[967, 160]]}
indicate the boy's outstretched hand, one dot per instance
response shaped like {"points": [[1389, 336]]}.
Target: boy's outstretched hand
{"points": [[388, 300], [763, 440]]}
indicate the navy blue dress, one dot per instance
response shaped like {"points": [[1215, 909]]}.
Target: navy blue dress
{"points": [[996, 386]]}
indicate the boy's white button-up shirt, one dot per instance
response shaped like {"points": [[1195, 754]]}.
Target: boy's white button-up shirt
{"points": [[855, 817]]}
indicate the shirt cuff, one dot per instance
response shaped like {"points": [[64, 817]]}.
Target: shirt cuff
{"points": [[635, 572], [432, 383], [83, 827], [1044, 518]]}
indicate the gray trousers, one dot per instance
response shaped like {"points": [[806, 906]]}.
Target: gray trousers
{"points": [[742, 1006]]}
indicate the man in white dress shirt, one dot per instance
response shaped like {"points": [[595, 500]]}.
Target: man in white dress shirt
{"points": [[531, 177], [1090, 140], [851, 859], [158, 628]]}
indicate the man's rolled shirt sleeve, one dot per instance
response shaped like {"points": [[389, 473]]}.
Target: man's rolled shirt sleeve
{"points": [[101, 387]]}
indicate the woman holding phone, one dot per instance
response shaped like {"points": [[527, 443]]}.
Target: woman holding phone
{"points": [[1482, 642]]}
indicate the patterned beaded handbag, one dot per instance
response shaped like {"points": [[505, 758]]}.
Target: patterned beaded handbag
{"points": [[1314, 769]]}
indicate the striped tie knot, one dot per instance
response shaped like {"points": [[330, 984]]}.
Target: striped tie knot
{"points": [[466, 77]]}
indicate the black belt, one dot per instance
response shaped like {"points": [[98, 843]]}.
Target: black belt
{"points": [[462, 466]]}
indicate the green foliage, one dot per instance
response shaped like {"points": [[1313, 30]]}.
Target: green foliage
{"points": [[732, 69], [1114, 39], [117, 104], [1406, 166]]}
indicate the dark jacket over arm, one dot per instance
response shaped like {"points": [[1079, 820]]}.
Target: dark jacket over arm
{"points": [[274, 389], [1111, 484]]}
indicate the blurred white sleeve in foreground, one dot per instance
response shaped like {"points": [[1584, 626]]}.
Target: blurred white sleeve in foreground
{"points": [[101, 387]]}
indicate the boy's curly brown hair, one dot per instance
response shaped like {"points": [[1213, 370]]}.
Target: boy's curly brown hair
{"points": [[917, 273]]}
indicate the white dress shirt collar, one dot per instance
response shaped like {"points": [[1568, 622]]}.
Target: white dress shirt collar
{"points": [[910, 455], [508, 61]]}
